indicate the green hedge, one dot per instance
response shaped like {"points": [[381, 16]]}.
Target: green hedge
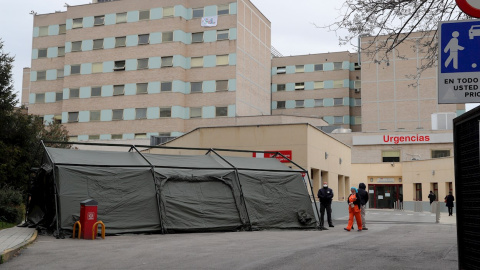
{"points": [[11, 209]]}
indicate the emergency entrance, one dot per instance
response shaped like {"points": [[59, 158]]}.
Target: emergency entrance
{"points": [[384, 196]]}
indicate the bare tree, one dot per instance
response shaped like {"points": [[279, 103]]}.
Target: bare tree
{"points": [[391, 22]]}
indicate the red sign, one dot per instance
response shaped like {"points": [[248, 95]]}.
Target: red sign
{"points": [[470, 7], [286, 153]]}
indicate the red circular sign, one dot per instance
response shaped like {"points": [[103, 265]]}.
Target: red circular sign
{"points": [[470, 10]]}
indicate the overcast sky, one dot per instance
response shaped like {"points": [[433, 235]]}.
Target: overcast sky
{"points": [[293, 32]]}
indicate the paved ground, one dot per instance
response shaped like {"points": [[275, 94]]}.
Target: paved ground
{"points": [[395, 240]]}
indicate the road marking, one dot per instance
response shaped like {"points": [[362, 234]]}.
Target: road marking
{"points": [[409, 214], [398, 214]]}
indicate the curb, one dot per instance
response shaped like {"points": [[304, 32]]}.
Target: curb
{"points": [[10, 253]]}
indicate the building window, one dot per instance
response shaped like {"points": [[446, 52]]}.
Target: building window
{"points": [[72, 117], [196, 62], [74, 93], [59, 96], [94, 116], [197, 37], [281, 70], [197, 12], [142, 88], [357, 66], [337, 65], [57, 118], [280, 104], [117, 136], [60, 73], [97, 44], [94, 137], [168, 12], [281, 87], [358, 102], [357, 84], [418, 192], [97, 67], [223, 9], [119, 65], [167, 36], [120, 42], [222, 60], [338, 120], [196, 112], [300, 86], [166, 87], [76, 46], [222, 34], [357, 120], [43, 31], [338, 84], [73, 138], [318, 67], [140, 135], [221, 85], [391, 156], [167, 61], [221, 111], [77, 23], [96, 91], [117, 115], [318, 85], [99, 20], [62, 29], [121, 18], [61, 51], [318, 102], [165, 112], [338, 102], [440, 153], [119, 90], [41, 75], [142, 63], [42, 53], [40, 98], [141, 113], [143, 39], [196, 87], [299, 103], [299, 68], [144, 15]]}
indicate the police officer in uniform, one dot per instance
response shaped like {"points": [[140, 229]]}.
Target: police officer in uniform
{"points": [[325, 195]]}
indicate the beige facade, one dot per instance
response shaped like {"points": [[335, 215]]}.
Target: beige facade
{"points": [[325, 158], [323, 85], [394, 97], [129, 70]]}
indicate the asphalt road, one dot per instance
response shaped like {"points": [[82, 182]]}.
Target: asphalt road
{"points": [[395, 240]]}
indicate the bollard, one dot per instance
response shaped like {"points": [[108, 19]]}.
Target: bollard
{"points": [[79, 229], [95, 230], [437, 212]]}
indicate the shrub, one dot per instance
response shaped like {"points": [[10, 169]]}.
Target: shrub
{"points": [[11, 205]]}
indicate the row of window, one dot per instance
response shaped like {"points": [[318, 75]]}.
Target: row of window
{"points": [[318, 103], [130, 65], [313, 67], [140, 113], [297, 86], [394, 155], [122, 17], [137, 89], [119, 136]]}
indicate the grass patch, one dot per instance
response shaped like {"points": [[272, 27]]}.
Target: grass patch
{"points": [[6, 225]]}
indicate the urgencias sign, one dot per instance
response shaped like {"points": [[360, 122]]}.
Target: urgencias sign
{"points": [[403, 139]]}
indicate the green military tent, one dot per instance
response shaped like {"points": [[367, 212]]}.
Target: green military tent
{"points": [[141, 192]]}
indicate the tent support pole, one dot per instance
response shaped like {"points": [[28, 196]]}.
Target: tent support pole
{"points": [[311, 186], [152, 170], [242, 197], [57, 212]]}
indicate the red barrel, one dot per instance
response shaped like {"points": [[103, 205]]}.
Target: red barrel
{"points": [[88, 217]]}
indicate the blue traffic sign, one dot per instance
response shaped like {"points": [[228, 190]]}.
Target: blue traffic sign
{"points": [[460, 46]]}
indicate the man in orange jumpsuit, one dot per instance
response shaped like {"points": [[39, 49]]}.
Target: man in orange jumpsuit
{"points": [[354, 210]]}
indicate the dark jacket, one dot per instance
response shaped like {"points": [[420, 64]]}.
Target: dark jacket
{"points": [[432, 197], [356, 202], [362, 193], [325, 195], [449, 200]]}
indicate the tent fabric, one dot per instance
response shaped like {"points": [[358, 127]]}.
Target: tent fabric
{"points": [[176, 194]]}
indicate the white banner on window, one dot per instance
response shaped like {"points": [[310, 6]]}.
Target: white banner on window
{"points": [[209, 21]]}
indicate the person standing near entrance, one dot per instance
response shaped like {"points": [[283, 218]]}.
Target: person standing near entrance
{"points": [[325, 195], [354, 210], [449, 200], [363, 194], [432, 197]]}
